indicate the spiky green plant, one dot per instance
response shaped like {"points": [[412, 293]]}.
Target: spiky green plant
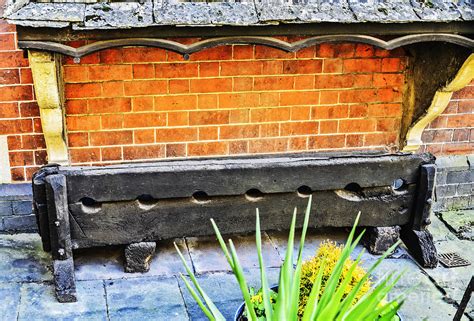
{"points": [[333, 304]]}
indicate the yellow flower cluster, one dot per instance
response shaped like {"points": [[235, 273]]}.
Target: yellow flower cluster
{"points": [[330, 252]]}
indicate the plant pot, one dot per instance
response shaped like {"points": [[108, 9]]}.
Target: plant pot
{"points": [[241, 309]]}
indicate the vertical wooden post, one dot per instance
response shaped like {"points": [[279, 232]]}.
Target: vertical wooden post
{"points": [[60, 238], [45, 69]]}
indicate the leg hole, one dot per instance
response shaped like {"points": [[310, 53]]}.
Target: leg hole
{"points": [[304, 191], [89, 205], [399, 185], [354, 188], [146, 201], [254, 195], [201, 197]]}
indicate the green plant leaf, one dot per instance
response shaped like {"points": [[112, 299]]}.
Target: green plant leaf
{"points": [[310, 309], [263, 277]]}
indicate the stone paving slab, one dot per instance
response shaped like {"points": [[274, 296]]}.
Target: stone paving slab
{"points": [[462, 222], [145, 299], [23, 259], [207, 256], [39, 303], [9, 301]]}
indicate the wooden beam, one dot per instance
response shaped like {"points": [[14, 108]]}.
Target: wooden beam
{"points": [[45, 69]]}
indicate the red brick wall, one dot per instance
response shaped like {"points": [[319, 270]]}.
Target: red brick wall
{"points": [[147, 103], [19, 114], [133, 104], [453, 131]]}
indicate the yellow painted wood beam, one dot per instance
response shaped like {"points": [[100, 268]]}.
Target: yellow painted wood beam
{"points": [[45, 69], [439, 103]]}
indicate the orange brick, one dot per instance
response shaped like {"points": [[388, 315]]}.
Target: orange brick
{"points": [[22, 158], [178, 119], [239, 115], [309, 52], [376, 139], [358, 111], [111, 153], [78, 139], [330, 112], [144, 136], [243, 52], [84, 155], [145, 87], [41, 158], [211, 85], [143, 152], [304, 82], [207, 101], [269, 115], [175, 150], [272, 67], [142, 103], [388, 124], [458, 148], [143, 54], [363, 81], [209, 117], [385, 110], [388, 80], [12, 58], [113, 89], [391, 64], [364, 65], [9, 110], [26, 76], [270, 99], [274, 83], [110, 72], [76, 74], [33, 142], [111, 56], [83, 123], [329, 97], [300, 113], [238, 100], [170, 135], [269, 145], [216, 53], [326, 142], [357, 125], [181, 102], [112, 121], [18, 174], [354, 140], [208, 148], [14, 142], [298, 143], [7, 41], [111, 138], [179, 86], [312, 66], [389, 95], [359, 96], [331, 66], [144, 71], [237, 132], [328, 127], [457, 121], [109, 105], [263, 52], [270, 130], [16, 93], [243, 84], [83, 90], [363, 50], [299, 98], [138, 120], [334, 81], [208, 133], [238, 147], [176, 70], [239, 68], [299, 128]]}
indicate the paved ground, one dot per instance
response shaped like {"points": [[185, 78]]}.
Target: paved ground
{"points": [[107, 293]]}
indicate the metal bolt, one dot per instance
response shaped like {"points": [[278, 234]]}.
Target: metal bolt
{"points": [[77, 60], [429, 201], [186, 56], [56, 223], [61, 252]]}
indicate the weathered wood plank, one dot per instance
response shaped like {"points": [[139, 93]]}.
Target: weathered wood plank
{"points": [[134, 221], [236, 176]]}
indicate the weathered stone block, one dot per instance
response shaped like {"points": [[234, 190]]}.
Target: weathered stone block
{"points": [[380, 239], [6, 208], [465, 189], [21, 223], [460, 177], [22, 207], [138, 256]]}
